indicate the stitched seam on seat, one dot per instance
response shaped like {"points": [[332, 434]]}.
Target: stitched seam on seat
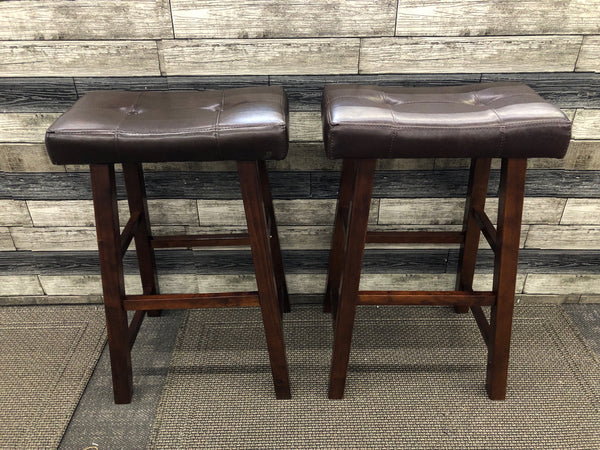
{"points": [[186, 131], [450, 127]]}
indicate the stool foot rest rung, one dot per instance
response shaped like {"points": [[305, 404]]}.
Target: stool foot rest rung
{"points": [[134, 327], [129, 231], [486, 226], [415, 237], [468, 298], [200, 240], [482, 323], [186, 301]]}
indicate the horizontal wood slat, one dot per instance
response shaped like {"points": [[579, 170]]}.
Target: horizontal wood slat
{"points": [[484, 18], [78, 58], [425, 298], [482, 54], [207, 240], [183, 301], [85, 19], [282, 18], [589, 58], [411, 237], [258, 56]]}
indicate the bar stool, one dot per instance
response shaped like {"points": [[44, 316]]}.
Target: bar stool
{"points": [[247, 125], [481, 121]]}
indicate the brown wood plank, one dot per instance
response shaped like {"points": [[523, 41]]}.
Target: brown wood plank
{"points": [[128, 231], [425, 298], [187, 301], [486, 226], [412, 237], [200, 240]]}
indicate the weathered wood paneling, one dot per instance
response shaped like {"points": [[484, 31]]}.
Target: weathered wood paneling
{"points": [[25, 127], [586, 124], [485, 54], [581, 212], [14, 212], [6, 243], [282, 18], [485, 18], [306, 126], [20, 285], [258, 56], [87, 84], [185, 83], [561, 284], [589, 58], [54, 239], [26, 158], [563, 237], [36, 94], [78, 58], [586, 155], [85, 19], [434, 211]]}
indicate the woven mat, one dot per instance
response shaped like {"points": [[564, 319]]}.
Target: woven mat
{"points": [[47, 355], [416, 380]]}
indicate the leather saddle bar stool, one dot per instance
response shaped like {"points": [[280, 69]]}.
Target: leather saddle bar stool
{"points": [[247, 125], [480, 121]]}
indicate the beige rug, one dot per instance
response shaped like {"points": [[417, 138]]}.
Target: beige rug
{"points": [[47, 355], [416, 381]]}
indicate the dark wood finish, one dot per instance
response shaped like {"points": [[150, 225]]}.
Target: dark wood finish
{"points": [[482, 323], [352, 264], [448, 298], [133, 175], [510, 210], [185, 301], [37, 95], [476, 193], [252, 195], [409, 237], [113, 285], [486, 227], [200, 240], [128, 231], [338, 245], [134, 327], [282, 291]]}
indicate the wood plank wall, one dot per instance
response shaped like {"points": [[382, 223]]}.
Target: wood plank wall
{"points": [[53, 51]]}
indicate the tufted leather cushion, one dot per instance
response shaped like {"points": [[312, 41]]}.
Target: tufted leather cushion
{"points": [[149, 126], [478, 120]]}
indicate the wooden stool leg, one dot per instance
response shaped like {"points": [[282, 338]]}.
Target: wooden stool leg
{"points": [[476, 193], [284, 299], [336, 255], [113, 286], [353, 258], [138, 204], [510, 209], [256, 218]]}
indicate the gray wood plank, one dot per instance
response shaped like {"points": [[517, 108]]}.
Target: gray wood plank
{"points": [[13, 213], [78, 58], [20, 285], [581, 212], [305, 126], [36, 94], [6, 242], [586, 124], [85, 19], [25, 127], [54, 238], [485, 18], [258, 56], [576, 237], [481, 54], [562, 284], [26, 158], [589, 58], [184, 83], [282, 19], [586, 154], [87, 84]]}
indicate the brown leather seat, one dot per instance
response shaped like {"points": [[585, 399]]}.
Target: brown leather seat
{"points": [[120, 126], [494, 120]]}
